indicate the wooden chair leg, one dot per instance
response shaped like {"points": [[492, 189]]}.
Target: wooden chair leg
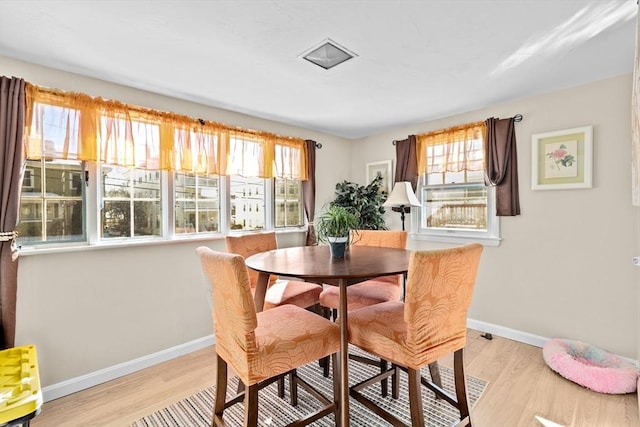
{"points": [[251, 406], [221, 392], [415, 398], [384, 384], [434, 370], [293, 388], [325, 364], [281, 388], [395, 382], [461, 387]]}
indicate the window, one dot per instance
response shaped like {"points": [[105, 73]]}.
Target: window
{"points": [[456, 204], [288, 203], [247, 199], [51, 210], [197, 204], [131, 202], [157, 174]]}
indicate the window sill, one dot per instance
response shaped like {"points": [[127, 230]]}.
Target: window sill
{"points": [[29, 250], [457, 239]]}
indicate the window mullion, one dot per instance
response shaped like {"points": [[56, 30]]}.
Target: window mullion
{"points": [[93, 201], [168, 203], [269, 204], [225, 204]]}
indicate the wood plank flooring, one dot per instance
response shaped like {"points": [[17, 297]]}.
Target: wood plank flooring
{"points": [[520, 388]]}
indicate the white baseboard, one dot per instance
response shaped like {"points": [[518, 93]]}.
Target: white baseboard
{"points": [[516, 335], [512, 334], [73, 385]]}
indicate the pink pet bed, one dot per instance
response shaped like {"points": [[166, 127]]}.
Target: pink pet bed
{"points": [[590, 366]]}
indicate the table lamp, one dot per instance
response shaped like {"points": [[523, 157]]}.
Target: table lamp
{"points": [[401, 199]]}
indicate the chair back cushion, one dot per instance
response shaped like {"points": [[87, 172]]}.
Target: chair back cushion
{"points": [[234, 313], [439, 291], [381, 239], [250, 244]]}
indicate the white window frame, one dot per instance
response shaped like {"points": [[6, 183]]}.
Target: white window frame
{"points": [[490, 237]]}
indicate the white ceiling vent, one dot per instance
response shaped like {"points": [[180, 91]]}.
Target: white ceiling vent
{"points": [[328, 54]]}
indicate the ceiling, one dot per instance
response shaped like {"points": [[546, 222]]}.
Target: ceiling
{"points": [[416, 60]]}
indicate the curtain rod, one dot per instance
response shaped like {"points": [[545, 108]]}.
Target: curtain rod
{"points": [[516, 118], [318, 145]]}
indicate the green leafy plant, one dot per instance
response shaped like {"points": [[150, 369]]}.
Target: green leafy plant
{"points": [[365, 201], [336, 221]]}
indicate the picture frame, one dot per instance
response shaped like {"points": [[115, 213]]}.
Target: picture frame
{"points": [[562, 159], [383, 168]]}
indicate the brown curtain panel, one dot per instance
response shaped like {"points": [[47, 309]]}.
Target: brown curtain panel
{"points": [[407, 161], [501, 165], [12, 117], [309, 192]]}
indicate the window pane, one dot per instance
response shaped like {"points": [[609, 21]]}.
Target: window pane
{"points": [[147, 218], [116, 219], [455, 207], [208, 217], [146, 184], [57, 213], [185, 212], [115, 182], [197, 208], [30, 225], [247, 203]]}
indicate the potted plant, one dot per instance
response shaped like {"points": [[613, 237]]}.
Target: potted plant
{"points": [[333, 226], [365, 200]]}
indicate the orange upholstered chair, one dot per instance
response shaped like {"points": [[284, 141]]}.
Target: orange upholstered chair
{"points": [[431, 323], [374, 291], [279, 292], [261, 347]]}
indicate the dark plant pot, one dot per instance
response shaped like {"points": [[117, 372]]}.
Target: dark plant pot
{"points": [[338, 246]]}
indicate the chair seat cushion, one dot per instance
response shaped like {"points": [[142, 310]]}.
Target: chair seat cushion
{"points": [[590, 366], [301, 294], [381, 330], [362, 294], [288, 337]]}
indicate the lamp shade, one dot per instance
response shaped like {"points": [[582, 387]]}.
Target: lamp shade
{"points": [[402, 195]]}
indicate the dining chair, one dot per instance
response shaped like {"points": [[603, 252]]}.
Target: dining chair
{"points": [[262, 347], [429, 324], [374, 291], [279, 292]]}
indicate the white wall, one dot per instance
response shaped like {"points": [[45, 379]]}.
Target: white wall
{"points": [[564, 267], [92, 309]]}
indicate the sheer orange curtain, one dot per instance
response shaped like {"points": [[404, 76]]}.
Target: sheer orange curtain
{"points": [[290, 159], [67, 125], [454, 149]]}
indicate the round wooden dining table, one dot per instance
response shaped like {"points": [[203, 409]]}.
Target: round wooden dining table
{"points": [[315, 264]]}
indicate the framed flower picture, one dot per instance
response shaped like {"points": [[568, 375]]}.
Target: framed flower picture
{"points": [[562, 159]]}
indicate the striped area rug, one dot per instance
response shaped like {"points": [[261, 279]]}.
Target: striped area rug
{"points": [[196, 410]]}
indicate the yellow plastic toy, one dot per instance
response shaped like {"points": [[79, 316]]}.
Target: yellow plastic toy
{"points": [[20, 394]]}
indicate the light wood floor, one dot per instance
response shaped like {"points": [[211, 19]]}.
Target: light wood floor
{"points": [[520, 388]]}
